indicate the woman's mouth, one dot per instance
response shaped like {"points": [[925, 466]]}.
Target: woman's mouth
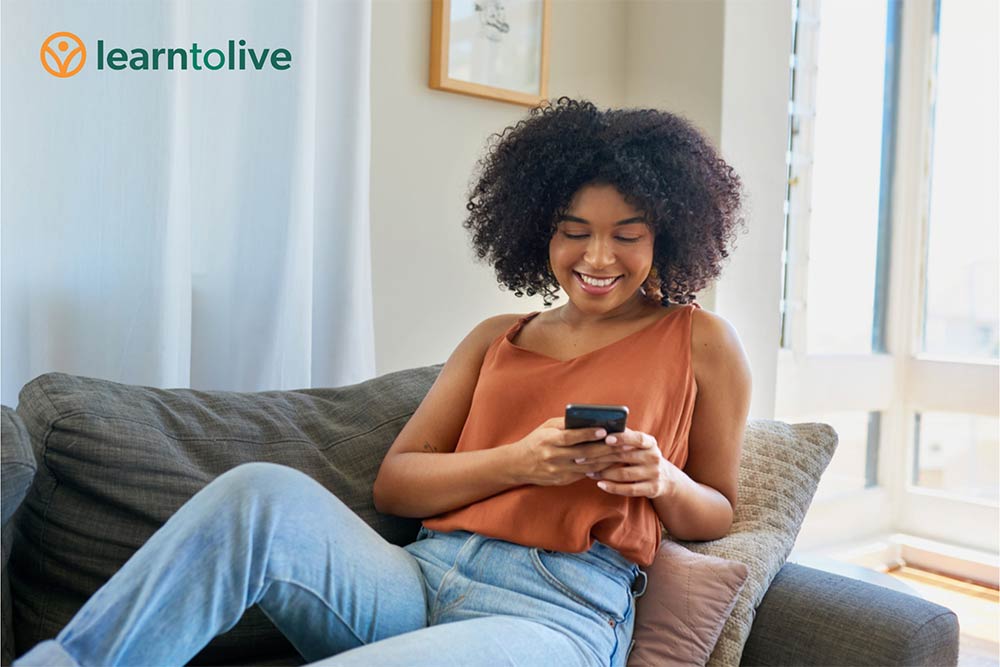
{"points": [[595, 286]]}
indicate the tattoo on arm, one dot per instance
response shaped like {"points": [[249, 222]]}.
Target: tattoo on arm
{"points": [[428, 447]]}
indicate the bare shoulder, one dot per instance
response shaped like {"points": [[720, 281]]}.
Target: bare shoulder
{"points": [[724, 386], [487, 331], [714, 343]]}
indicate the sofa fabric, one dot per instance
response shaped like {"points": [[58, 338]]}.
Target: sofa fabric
{"points": [[810, 617], [17, 470], [17, 464], [121, 459], [780, 468]]}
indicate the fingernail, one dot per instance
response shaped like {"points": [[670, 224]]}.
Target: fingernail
{"points": [[603, 485], [627, 448], [592, 475], [579, 460], [600, 433], [612, 439]]}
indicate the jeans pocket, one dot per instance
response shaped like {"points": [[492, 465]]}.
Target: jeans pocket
{"points": [[424, 533], [585, 584]]}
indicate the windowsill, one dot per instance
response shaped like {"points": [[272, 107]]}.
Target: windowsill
{"points": [[881, 553]]}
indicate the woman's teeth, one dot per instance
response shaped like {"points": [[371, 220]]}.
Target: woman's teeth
{"points": [[595, 282]]}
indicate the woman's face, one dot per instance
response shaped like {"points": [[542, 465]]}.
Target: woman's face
{"points": [[601, 237]]}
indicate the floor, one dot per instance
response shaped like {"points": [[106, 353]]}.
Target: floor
{"points": [[978, 609]]}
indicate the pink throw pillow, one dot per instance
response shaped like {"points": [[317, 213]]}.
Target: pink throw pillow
{"points": [[688, 598]]}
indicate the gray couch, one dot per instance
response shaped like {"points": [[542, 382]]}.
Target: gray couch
{"points": [[92, 468]]}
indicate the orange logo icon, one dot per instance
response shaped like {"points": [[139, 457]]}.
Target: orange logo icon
{"points": [[63, 54]]}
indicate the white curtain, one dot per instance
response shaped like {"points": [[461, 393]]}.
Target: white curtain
{"points": [[204, 229]]}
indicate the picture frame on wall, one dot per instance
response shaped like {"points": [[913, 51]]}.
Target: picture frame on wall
{"points": [[495, 49]]}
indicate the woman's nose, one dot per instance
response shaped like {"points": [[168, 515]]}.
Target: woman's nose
{"points": [[599, 253]]}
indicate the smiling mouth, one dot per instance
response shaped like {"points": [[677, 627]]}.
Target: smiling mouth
{"points": [[587, 275], [596, 289]]}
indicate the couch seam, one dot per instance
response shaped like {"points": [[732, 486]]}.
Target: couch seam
{"points": [[42, 561]]}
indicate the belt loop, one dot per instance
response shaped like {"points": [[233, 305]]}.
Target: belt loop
{"points": [[635, 585]]}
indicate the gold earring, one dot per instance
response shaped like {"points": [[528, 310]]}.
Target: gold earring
{"points": [[651, 288]]}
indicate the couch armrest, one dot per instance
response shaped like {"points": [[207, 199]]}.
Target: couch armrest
{"points": [[812, 617], [17, 463], [17, 470]]}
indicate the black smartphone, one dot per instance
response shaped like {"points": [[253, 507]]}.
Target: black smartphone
{"points": [[610, 417]]}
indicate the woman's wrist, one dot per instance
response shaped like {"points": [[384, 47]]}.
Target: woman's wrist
{"points": [[511, 464]]}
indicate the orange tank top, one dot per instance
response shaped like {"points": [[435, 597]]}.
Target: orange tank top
{"points": [[648, 370]]}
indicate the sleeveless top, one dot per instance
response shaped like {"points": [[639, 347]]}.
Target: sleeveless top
{"points": [[649, 371]]}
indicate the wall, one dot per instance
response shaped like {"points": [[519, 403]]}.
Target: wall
{"points": [[755, 84]]}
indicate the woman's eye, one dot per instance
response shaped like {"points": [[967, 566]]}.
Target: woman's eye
{"points": [[626, 239]]}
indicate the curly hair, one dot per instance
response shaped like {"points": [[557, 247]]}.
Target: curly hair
{"points": [[659, 162]]}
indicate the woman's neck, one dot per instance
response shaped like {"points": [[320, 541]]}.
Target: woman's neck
{"points": [[634, 308]]}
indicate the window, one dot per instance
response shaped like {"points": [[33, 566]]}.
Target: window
{"points": [[890, 304]]}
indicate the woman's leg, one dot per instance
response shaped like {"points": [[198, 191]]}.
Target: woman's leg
{"points": [[260, 533]]}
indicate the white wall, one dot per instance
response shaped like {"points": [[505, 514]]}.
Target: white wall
{"points": [[721, 63], [755, 80]]}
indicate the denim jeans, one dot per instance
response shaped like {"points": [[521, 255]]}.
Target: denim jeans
{"points": [[270, 535]]}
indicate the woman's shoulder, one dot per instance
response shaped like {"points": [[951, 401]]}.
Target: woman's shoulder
{"points": [[492, 327], [714, 342]]}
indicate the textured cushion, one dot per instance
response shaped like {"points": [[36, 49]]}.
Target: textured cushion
{"points": [[688, 599], [779, 470], [122, 459], [17, 469], [17, 463]]}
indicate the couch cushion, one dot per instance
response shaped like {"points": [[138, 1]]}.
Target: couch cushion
{"points": [[688, 599], [779, 469], [120, 460], [17, 470]]}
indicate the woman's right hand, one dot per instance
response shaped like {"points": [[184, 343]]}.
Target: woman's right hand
{"points": [[546, 456]]}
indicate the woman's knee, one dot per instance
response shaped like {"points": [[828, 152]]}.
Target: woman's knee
{"points": [[271, 483]]}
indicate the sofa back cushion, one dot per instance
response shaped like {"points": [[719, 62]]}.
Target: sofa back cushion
{"points": [[116, 461]]}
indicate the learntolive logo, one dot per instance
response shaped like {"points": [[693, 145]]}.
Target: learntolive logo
{"points": [[64, 54]]}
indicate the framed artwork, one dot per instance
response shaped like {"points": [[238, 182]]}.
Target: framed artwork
{"points": [[497, 49]]}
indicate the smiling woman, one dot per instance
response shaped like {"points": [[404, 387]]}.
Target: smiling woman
{"points": [[666, 172], [534, 534], [610, 252]]}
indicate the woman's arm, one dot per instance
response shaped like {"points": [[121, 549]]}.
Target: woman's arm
{"points": [[699, 505], [417, 479]]}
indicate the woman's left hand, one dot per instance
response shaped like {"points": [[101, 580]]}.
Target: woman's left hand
{"points": [[642, 471]]}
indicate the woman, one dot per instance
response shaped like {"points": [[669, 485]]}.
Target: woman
{"points": [[533, 534]]}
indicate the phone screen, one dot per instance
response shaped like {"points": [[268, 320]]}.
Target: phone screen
{"points": [[610, 417]]}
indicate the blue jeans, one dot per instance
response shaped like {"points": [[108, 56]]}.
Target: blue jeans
{"points": [[270, 535]]}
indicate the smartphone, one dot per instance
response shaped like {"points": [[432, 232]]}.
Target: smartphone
{"points": [[610, 417]]}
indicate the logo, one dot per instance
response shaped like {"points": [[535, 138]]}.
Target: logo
{"points": [[59, 53], [63, 55]]}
